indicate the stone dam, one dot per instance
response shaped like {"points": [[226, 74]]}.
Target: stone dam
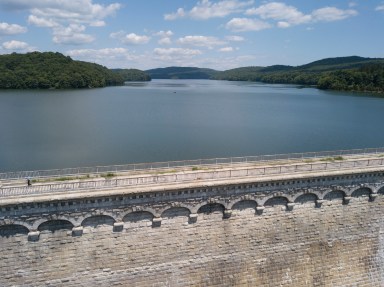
{"points": [[289, 221]]}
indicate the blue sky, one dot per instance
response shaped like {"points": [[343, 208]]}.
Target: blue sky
{"points": [[215, 34]]}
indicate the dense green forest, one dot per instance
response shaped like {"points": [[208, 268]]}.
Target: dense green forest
{"points": [[50, 70], [343, 73], [181, 73], [132, 75]]}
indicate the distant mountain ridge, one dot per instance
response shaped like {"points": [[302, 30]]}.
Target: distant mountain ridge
{"points": [[340, 73], [181, 73]]}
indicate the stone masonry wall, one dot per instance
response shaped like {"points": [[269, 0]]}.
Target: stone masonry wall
{"points": [[227, 239]]}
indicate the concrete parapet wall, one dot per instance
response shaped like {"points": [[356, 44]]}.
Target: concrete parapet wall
{"points": [[324, 230]]}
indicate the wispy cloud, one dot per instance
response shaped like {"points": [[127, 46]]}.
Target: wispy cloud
{"points": [[287, 16], [17, 46], [201, 41], [175, 53], [235, 38], [62, 16], [247, 24], [71, 35], [280, 12], [11, 29], [226, 49], [131, 38], [380, 8], [206, 9], [111, 57], [165, 37], [330, 14]]}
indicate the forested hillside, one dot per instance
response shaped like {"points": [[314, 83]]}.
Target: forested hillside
{"points": [[132, 75], [181, 73], [343, 73], [50, 70]]}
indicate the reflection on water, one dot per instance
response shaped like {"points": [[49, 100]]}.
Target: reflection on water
{"points": [[136, 84], [166, 120]]}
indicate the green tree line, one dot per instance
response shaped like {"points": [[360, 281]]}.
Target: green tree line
{"points": [[344, 73], [51, 70]]}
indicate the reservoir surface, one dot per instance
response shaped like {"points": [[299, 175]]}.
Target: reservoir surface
{"points": [[166, 120]]}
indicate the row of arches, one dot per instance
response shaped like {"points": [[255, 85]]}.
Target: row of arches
{"points": [[149, 215]]}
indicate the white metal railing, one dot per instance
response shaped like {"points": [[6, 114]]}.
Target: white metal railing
{"points": [[185, 163], [190, 176]]}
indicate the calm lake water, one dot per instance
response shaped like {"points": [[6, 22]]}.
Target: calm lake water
{"points": [[180, 119]]}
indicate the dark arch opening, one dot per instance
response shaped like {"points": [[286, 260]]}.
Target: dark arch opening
{"points": [[277, 200], [137, 216], [12, 230], [244, 204], [211, 208], [306, 198], [361, 192], [175, 211], [334, 195], [55, 225], [97, 220], [381, 190]]}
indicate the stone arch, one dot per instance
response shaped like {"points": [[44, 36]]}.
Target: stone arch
{"points": [[176, 211], [306, 198], [138, 219], [154, 212], [40, 221], [380, 190], [335, 195], [244, 205], [55, 225], [9, 230], [361, 192], [175, 215], [97, 220], [276, 200], [209, 208], [16, 222]]}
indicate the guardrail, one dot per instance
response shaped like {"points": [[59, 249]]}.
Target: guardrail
{"points": [[189, 176], [185, 163]]}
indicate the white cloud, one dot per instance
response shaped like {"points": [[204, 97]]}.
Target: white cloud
{"points": [[168, 33], [206, 9], [201, 41], [111, 53], [11, 29], [134, 39], [60, 14], [235, 38], [165, 41], [71, 35], [226, 49], [17, 46], [286, 15], [74, 11], [165, 37], [42, 22], [98, 23], [110, 57], [14, 45], [247, 24], [330, 14], [175, 54], [131, 38], [180, 13], [380, 8]]}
